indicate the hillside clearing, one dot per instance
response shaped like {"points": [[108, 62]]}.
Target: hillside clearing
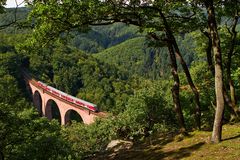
{"points": [[196, 146]]}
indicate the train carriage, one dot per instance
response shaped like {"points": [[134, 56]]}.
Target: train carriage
{"points": [[68, 97]]}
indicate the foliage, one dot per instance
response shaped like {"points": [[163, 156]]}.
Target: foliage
{"points": [[89, 139], [148, 107], [236, 79], [23, 134], [205, 85], [26, 136], [147, 111]]}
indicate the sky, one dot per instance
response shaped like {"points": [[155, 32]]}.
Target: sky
{"points": [[12, 3]]}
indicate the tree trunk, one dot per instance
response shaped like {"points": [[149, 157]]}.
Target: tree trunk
{"points": [[175, 89], [185, 69], [228, 101], [229, 63], [176, 86], [217, 127], [190, 82], [232, 107], [209, 52]]}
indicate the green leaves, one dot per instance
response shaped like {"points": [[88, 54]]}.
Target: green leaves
{"points": [[148, 106], [52, 19], [26, 136]]}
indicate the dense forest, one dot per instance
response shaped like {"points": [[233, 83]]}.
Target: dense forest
{"points": [[157, 67]]}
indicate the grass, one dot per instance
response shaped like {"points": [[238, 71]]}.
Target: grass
{"points": [[196, 146]]}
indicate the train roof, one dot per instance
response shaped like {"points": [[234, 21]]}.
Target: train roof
{"points": [[65, 94]]}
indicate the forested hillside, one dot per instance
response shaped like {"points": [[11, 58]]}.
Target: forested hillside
{"points": [[137, 58], [102, 37], [163, 71]]}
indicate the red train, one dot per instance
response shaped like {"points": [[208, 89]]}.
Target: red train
{"points": [[68, 97]]}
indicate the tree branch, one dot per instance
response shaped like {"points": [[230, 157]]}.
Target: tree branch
{"points": [[182, 17], [15, 17]]}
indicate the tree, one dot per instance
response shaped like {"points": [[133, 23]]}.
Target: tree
{"points": [[227, 12], [231, 10], [26, 136], [172, 41], [175, 89], [212, 24]]}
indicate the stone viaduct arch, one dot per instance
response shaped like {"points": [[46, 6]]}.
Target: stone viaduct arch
{"points": [[44, 100], [37, 101], [72, 115], [52, 111]]}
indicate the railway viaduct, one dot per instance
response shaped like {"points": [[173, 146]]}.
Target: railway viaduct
{"points": [[52, 106]]}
